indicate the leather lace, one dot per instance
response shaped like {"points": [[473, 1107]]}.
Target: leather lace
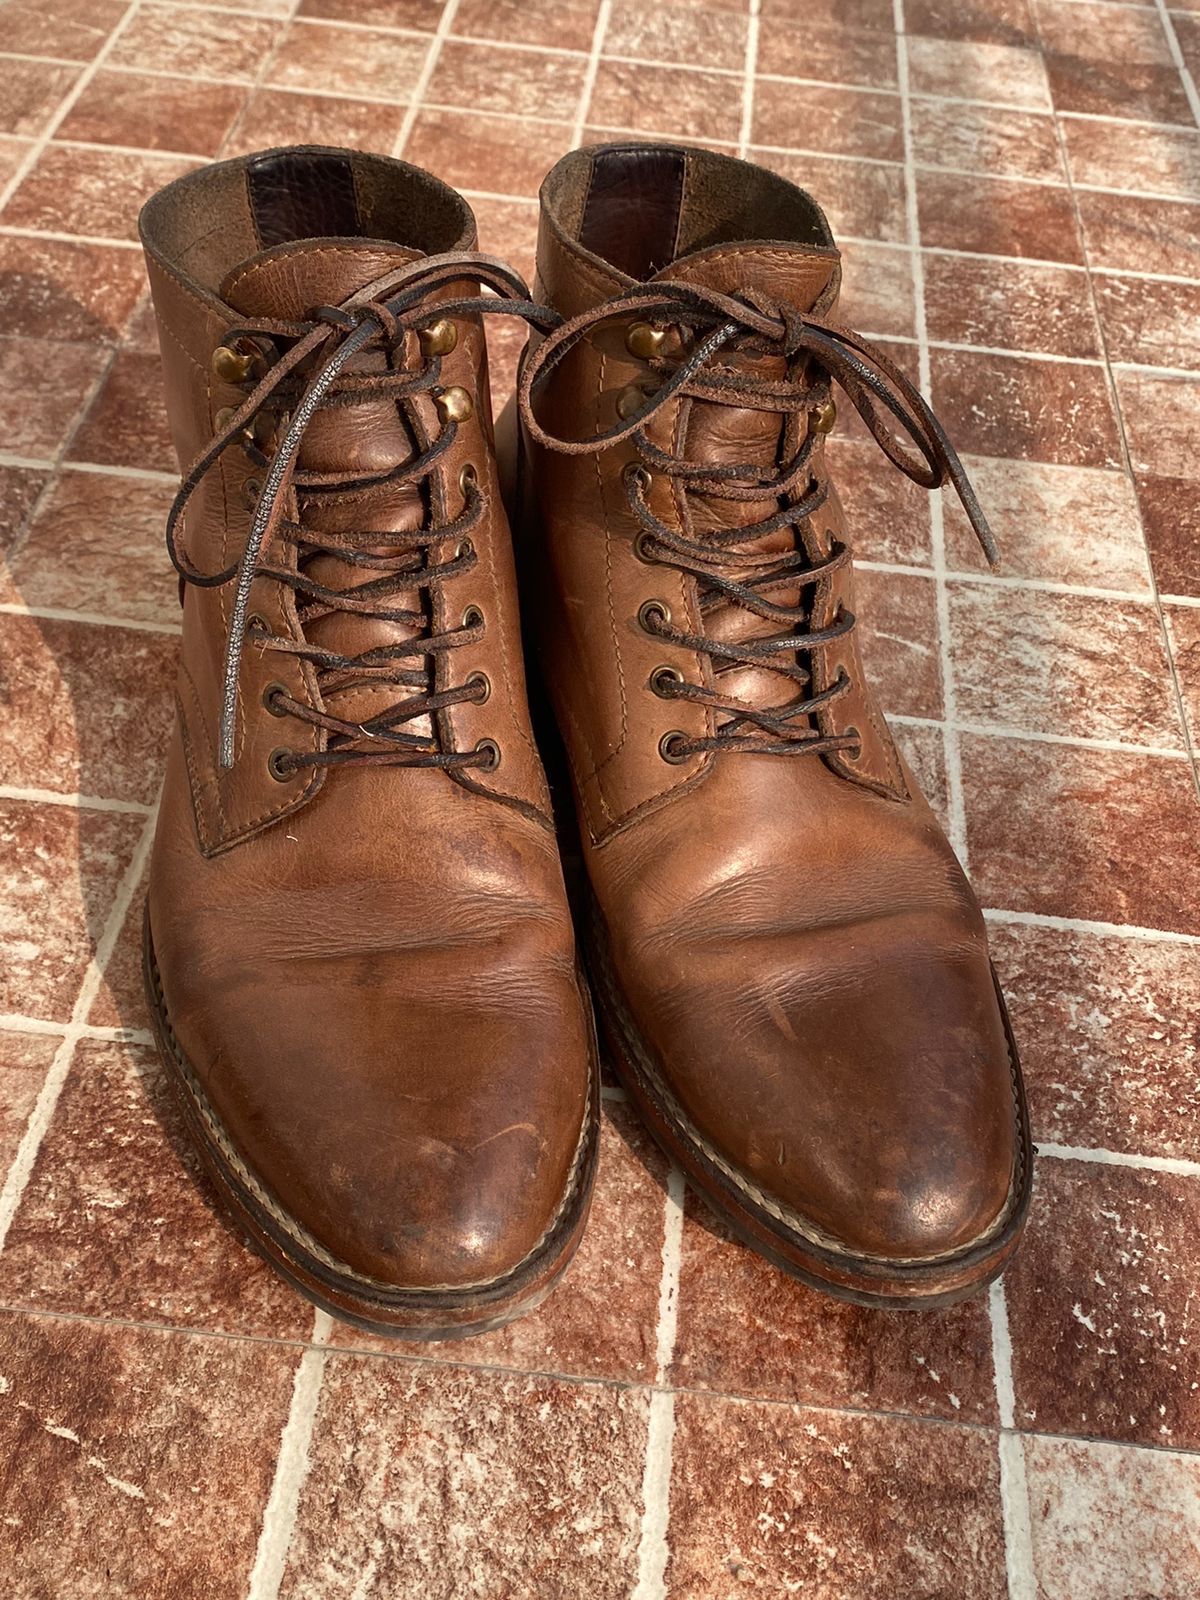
{"points": [[312, 373], [791, 490]]}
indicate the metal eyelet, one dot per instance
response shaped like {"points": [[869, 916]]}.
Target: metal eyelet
{"points": [[854, 754], [270, 694], [669, 747], [661, 677], [491, 749], [464, 549], [453, 404], [641, 547], [257, 623], [468, 478], [484, 683], [251, 489], [439, 338], [653, 615], [472, 617], [634, 473], [279, 765]]}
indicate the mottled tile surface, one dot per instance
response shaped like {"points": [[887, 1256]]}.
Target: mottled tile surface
{"points": [[821, 1504], [114, 1439], [451, 1483]]}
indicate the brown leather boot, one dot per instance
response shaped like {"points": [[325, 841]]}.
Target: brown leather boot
{"points": [[790, 965], [358, 947]]}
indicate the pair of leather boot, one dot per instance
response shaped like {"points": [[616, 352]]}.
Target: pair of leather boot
{"points": [[359, 951]]}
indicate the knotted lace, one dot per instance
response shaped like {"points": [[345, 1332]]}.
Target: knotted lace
{"points": [[792, 489], [315, 372]]}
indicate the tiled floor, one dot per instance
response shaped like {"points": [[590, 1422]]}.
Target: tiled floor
{"points": [[1017, 185]]}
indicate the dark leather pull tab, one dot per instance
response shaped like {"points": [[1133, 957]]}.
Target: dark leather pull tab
{"points": [[631, 214], [301, 195]]}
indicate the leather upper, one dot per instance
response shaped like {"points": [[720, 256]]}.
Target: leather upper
{"points": [[789, 938], [369, 969]]}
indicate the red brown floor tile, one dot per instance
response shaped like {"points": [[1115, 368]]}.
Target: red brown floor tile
{"points": [[422, 16], [662, 99], [314, 56], [96, 545], [568, 26], [1152, 324], [12, 153], [89, 707], [781, 15], [118, 1219], [90, 192], [1109, 1033], [1094, 834], [829, 1505], [981, 139], [975, 71], [1058, 524], [1010, 305], [1110, 61], [877, 290], [61, 870], [837, 121], [745, 1328], [151, 113], [1170, 510], [601, 1320], [174, 38], [673, 33], [501, 155], [121, 998], [76, 30], [24, 1061], [1099, 1302], [126, 424], [531, 83], [887, 516], [1159, 161], [416, 15], [406, 1451], [899, 641], [1138, 235], [1160, 413], [835, 54], [1062, 664], [1004, 22], [862, 199], [276, 116], [20, 489], [1184, 625], [44, 387], [995, 216], [1108, 1521], [1026, 409], [924, 748], [77, 292], [115, 1439], [33, 92]]}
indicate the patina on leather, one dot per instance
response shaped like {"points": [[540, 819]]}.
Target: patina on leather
{"points": [[359, 951], [790, 964]]}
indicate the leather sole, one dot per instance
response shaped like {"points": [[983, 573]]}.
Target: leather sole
{"points": [[398, 1313], [821, 1263]]}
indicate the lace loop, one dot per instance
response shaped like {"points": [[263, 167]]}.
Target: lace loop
{"points": [[724, 562], [381, 314]]}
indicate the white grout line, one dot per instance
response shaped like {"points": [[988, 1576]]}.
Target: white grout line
{"points": [[1177, 1165], [653, 1549], [12, 1022], [589, 73], [34, 153], [81, 802], [10, 608], [43, 1110], [749, 69], [1001, 580], [1189, 83], [1104, 930], [427, 70], [291, 1467], [1014, 1492], [954, 779]]}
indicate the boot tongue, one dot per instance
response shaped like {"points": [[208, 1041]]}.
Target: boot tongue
{"points": [[804, 278], [287, 283]]}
